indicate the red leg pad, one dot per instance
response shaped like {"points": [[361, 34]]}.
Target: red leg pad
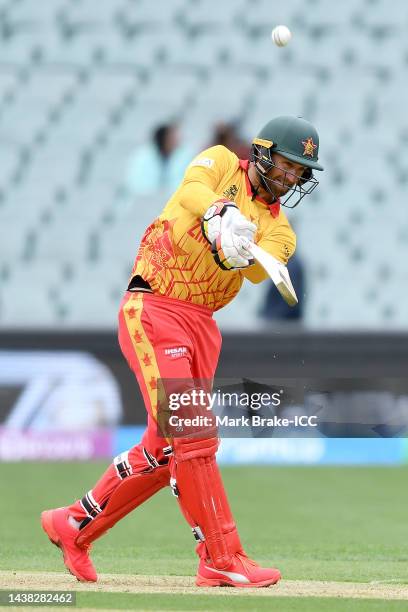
{"points": [[203, 499], [130, 493], [185, 448]]}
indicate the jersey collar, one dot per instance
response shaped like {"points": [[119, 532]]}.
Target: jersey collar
{"points": [[273, 208]]}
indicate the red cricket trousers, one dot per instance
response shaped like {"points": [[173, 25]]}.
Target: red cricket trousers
{"points": [[160, 337], [165, 338]]}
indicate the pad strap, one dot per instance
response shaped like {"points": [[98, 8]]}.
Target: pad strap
{"points": [[132, 491]]}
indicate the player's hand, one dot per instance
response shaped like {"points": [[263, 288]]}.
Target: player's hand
{"points": [[226, 250], [223, 219]]}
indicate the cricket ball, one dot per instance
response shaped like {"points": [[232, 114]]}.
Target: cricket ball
{"points": [[281, 35]]}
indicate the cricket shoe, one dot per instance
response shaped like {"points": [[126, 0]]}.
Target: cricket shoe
{"points": [[62, 534], [242, 572]]}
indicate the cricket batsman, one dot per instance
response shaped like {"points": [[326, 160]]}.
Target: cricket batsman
{"points": [[192, 261]]}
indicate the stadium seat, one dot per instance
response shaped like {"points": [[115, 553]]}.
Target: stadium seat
{"points": [[27, 307]]}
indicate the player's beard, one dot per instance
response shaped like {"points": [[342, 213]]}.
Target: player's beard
{"points": [[272, 191]]}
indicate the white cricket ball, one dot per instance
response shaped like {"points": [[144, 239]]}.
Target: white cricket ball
{"points": [[281, 35]]}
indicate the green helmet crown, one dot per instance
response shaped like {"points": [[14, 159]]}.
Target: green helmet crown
{"points": [[292, 137]]}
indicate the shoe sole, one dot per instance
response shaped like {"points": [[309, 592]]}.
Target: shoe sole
{"points": [[222, 582], [48, 526]]}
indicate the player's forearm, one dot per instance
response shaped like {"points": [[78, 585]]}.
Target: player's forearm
{"points": [[255, 273], [281, 246], [197, 197]]}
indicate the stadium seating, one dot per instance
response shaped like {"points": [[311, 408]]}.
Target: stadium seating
{"points": [[83, 83]]}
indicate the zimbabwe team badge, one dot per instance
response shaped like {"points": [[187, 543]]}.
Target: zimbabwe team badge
{"points": [[310, 146]]}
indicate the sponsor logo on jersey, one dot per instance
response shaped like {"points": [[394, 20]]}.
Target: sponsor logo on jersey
{"points": [[176, 352], [207, 162], [231, 192]]}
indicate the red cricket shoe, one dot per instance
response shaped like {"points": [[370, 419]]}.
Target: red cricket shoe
{"points": [[242, 572], [62, 534]]}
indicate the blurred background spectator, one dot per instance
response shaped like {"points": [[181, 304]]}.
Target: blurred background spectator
{"points": [[227, 134], [158, 165]]}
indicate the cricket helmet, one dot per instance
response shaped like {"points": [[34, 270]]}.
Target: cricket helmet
{"points": [[295, 139]]}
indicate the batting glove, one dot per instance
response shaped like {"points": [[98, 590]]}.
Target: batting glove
{"points": [[224, 220], [226, 252]]}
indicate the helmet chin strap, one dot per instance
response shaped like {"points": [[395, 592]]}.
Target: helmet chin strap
{"points": [[266, 187], [255, 190]]}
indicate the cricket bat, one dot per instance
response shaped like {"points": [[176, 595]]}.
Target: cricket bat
{"points": [[277, 271]]}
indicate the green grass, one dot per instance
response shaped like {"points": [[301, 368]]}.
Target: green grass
{"points": [[318, 523], [157, 602]]}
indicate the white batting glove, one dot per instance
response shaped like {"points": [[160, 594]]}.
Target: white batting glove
{"points": [[223, 219], [226, 251]]}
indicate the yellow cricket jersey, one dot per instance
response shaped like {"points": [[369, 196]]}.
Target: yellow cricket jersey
{"points": [[175, 258]]}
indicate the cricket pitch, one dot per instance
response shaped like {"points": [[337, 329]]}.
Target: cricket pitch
{"points": [[122, 583]]}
